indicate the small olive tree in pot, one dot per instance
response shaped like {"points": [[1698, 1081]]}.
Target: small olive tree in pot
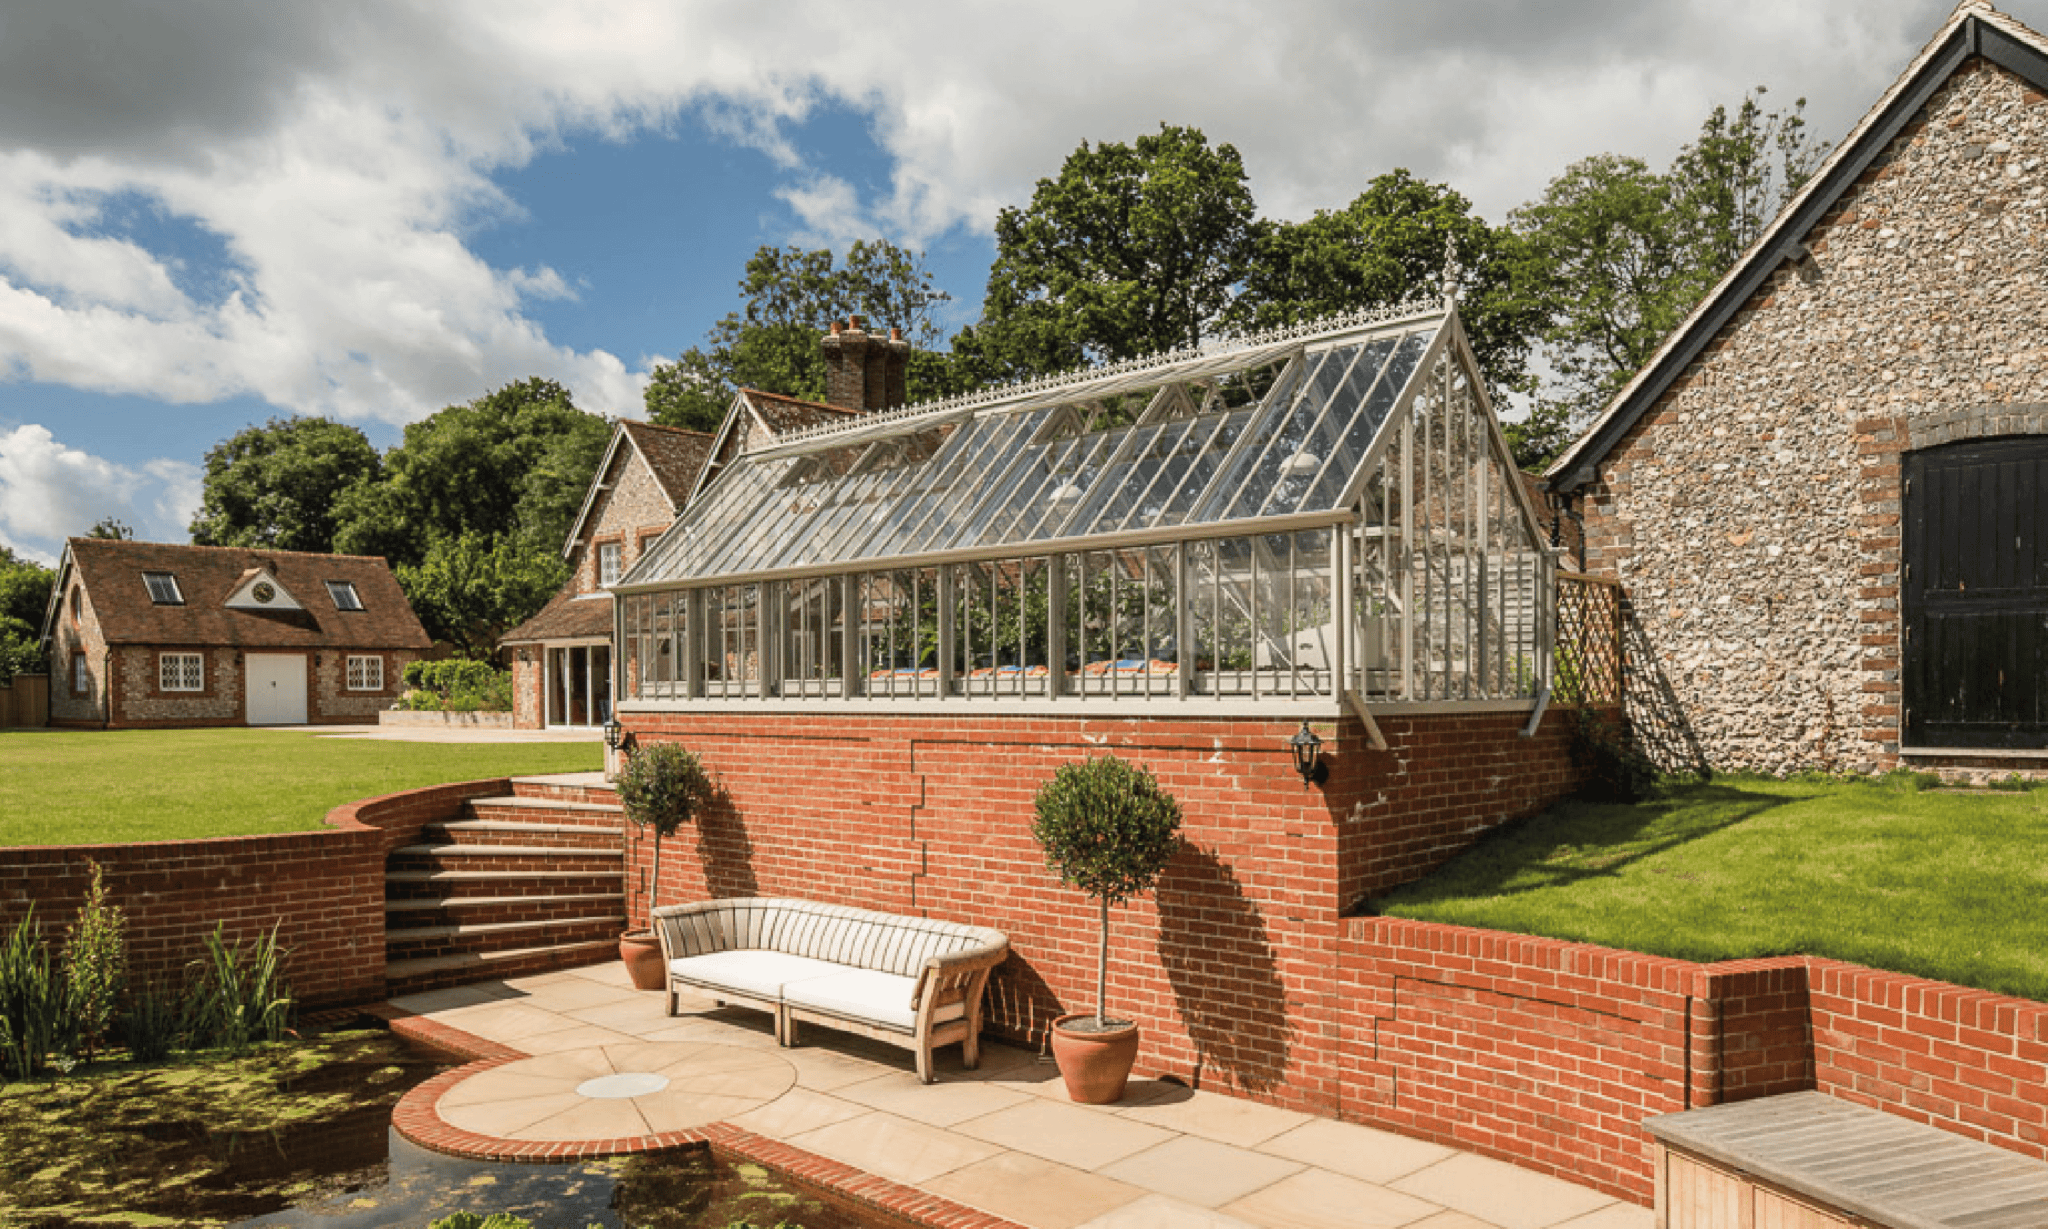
{"points": [[662, 787], [1109, 830]]}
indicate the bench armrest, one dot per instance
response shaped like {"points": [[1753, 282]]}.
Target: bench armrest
{"points": [[954, 972]]}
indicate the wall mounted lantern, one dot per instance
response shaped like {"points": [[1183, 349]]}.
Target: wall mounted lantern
{"points": [[1307, 749], [615, 735]]}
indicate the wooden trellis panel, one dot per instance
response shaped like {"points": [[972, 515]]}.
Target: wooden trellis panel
{"points": [[1588, 666]]}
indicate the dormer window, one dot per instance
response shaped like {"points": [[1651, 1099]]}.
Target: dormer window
{"points": [[608, 564], [163, 588], [344, 594]]}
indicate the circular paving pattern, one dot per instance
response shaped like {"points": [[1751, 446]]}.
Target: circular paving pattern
{"points": [[615, 1092]]}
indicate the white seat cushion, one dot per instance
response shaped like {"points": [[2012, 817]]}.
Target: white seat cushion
{"points": [[857, 994], [752, 971]]}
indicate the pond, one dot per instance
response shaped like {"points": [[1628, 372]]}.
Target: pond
{"points": [[299, 1134]]}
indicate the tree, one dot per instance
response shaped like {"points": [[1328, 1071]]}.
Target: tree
{"points": [[1131, 250], [24, 597], [789, 297], [1623, 254], [1389, 246], [111, 529], [470, 590], [277, 486], [515, 462]]}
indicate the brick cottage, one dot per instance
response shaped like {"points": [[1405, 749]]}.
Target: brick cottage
{"points": [[148, 634]]}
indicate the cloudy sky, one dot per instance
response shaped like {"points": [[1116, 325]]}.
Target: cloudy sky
{"points": [[220, 211]]}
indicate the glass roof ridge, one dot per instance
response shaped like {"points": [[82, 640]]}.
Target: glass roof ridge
{"points": [[1019, 390]]}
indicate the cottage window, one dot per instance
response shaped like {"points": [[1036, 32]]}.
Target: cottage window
{"points": [[607, 564], [344, 594], [81, 678], [163, 589], [181, 672], [1310, 518], [366, 673]]}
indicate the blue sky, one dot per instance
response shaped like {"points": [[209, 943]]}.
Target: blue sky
{"points": [[223, 211]]}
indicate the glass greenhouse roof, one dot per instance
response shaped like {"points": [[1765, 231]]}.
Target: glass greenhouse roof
{"points": [[1269, 434]]}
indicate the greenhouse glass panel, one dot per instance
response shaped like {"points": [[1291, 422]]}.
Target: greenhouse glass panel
{"points": [[1292, 517]]}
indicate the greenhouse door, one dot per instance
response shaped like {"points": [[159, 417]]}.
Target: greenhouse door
{"points": [[1975, 595]]}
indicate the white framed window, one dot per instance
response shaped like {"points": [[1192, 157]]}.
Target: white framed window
{"points": [[163, 588], [181, 672], [81, 678], [344, 594], [365, 673], [607, 563]]}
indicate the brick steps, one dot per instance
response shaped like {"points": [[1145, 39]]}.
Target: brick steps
{"points": [[517, 884]]}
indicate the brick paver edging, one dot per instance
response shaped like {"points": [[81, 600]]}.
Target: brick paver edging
{"points": [[416, 1119]]}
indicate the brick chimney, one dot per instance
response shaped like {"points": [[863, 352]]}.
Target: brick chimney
{"points": [[864, 371]]}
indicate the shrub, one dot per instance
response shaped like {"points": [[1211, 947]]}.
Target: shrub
{"points": [[1109, 830], [95, 966], [664, 786], [458, 685]]}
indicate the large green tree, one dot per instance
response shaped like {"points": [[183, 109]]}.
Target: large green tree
{"points": [[277, 486], [1388, 246], [469, 590], [24, 597], [1619, 254], [1129, 250], [514, 462], [789, 296]]}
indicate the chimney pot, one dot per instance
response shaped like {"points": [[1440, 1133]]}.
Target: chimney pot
{"points": [[836, 327], [859, 325], [895, 334]]}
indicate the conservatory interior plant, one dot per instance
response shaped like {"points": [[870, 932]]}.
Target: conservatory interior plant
{"points": [[1108, 829], [662, 787]]}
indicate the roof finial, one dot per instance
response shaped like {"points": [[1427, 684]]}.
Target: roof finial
{"points": [[1452, 271]]}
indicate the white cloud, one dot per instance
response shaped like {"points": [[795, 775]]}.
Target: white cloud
{"points": [[50, 491], [340, 151]]}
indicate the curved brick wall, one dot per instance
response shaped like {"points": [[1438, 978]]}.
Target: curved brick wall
{"points": [[324, 890]]}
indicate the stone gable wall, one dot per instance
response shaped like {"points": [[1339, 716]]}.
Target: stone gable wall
{"points": [[1754, 513], [67, 706], [634, 506]]}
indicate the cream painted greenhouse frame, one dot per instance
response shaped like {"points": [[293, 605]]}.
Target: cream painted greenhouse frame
{"points": [[1310, 520]]}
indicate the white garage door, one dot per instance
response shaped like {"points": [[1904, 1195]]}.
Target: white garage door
{"points": [[277, 688]]}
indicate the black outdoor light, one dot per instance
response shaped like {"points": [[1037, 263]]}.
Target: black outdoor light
{"points": [[1308, 761], [614, 734]]}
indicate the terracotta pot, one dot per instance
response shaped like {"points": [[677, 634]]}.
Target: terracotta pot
{"points": [[642, 953], [1094, 1065]]}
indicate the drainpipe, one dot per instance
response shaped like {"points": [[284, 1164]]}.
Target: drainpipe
{"points": [[107, 686]]}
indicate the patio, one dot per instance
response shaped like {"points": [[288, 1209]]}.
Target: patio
{"points": [[602, 1062]]}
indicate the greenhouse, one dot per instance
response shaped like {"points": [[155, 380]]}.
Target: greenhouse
{"points": [[1296, 522]]}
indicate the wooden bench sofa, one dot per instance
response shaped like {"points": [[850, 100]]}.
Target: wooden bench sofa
{"points": [[915, 982]]}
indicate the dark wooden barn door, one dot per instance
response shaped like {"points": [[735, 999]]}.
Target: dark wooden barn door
{"points": [[1975, 595]]}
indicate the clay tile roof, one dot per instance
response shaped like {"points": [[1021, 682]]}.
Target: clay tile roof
{"points": [[676, 456], [112, 571], [567, 617], [793, 414]]}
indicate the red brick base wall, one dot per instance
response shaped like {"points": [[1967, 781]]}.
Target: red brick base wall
{"points": [[323, 890], [1230, 964]]}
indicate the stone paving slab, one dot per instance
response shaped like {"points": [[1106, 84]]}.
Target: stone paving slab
{"points": [[1002, 1145]]}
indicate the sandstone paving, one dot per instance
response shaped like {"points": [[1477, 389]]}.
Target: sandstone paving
{"points": [[1227, 1120], [1497, 1192], [895, 1148], [1355, 1151], [1004, 1139], [1034, 1191], [1200, 1171], [1319, 1199]]}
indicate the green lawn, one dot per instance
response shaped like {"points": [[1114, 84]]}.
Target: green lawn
{"points": [[1948, 885], [77, 787]]}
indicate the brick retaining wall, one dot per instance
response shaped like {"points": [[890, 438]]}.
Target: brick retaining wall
{"points": [[323, 889]]}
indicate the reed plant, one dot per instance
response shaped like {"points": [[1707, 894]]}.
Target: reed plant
{"points": [[239, 998], [157, 1022], [95, 966], [35, 1016]]}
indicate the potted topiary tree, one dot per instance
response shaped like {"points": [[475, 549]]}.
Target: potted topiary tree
{"points": [[1107, 829], [662, 787]]}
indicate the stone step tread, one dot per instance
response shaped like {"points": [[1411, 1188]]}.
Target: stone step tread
{"points": [[401, 934], [399, 970], [520, 825], [479, 902], [532, 803], [593, 779], [438, 876], [504, 851]]}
